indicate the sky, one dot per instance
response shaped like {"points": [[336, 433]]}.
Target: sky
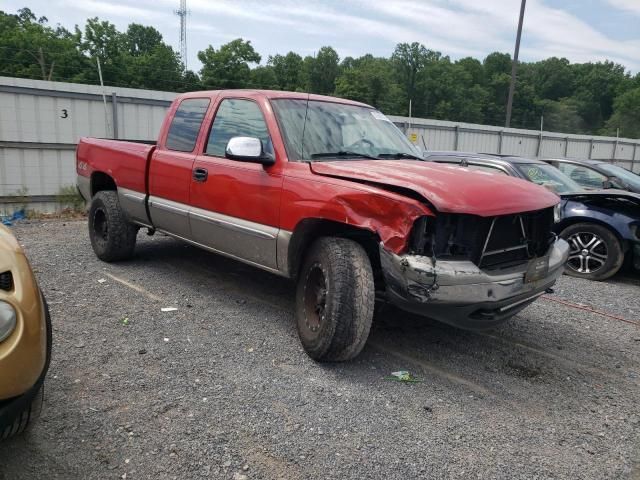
{"points": [[580, 30]]}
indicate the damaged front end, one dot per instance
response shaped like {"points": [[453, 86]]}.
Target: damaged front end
{"points": [[475, 272]]}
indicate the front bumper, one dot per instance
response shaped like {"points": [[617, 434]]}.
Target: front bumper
{"points": [[457, 292]]}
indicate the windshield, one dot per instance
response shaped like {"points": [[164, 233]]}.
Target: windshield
{"points": [[626, 176], [316, 130], [548, 176]]}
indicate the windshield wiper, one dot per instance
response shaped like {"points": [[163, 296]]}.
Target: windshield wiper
{"points": [[342, 154], [400, 155]]}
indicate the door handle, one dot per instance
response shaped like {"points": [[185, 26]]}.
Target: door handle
{"points": [[200, 174]]}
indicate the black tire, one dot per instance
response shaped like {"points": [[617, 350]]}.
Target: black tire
{"points": [[595, 253], [335, 300], [113, 237], [25, 417]]}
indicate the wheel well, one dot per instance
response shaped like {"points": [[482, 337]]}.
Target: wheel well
{"points": [[309, 230], [101, 181]]}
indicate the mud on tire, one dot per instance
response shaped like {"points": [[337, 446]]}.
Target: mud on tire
{"points": [[335, 299], [113, 237]]}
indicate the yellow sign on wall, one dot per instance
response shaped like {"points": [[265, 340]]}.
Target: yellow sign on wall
{"points": [[413, 137]]}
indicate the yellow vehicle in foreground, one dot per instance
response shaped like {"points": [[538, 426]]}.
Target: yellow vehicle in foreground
{"points": [[25, 339]]}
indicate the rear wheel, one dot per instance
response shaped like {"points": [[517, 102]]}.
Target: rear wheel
{"points": [[595, 252], [113, 237], [335, 300]]}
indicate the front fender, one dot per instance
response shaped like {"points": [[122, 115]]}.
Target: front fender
{"points": [[388, 215], [621, 222]]}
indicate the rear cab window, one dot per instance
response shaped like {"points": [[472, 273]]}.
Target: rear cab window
{"points": [[186, 123]]}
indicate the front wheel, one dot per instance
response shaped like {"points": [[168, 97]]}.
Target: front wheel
{"points": [[113, 237], [335, 300], [595, 252]]}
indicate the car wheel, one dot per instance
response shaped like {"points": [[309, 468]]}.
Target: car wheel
{"points": [[335, 300], [30, 413], [113, 237], [594, 251]]}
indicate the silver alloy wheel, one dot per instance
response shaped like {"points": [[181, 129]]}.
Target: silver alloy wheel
{"points": [[588, 252]]}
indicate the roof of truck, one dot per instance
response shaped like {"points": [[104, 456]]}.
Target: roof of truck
{"points": [[271, 94]]}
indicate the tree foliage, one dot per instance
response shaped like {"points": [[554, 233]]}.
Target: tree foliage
{"points": [[593, 97], [228, 66]]}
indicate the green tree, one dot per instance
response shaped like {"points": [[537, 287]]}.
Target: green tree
{"points": [[626, 115], [321, 71], [409, 60], [288, 71], [30, 48], [228, 66], [597, 86], [264, 77], [370, 80], [497, 71], [141, 40], [553, 78], [562, 115]]}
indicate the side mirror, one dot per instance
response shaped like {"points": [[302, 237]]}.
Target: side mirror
{"points": [[248, 149], [607, 184]]}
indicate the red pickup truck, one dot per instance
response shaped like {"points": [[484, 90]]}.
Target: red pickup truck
{"points": [[328, 192]]}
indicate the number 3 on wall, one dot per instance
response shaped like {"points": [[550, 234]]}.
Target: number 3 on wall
{"points": [[65, 114]]}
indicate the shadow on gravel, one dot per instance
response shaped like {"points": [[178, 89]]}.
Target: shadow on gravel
{"points": [[521, 349]]}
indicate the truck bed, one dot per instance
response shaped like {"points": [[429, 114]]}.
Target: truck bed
{"points": [[123, 160]]}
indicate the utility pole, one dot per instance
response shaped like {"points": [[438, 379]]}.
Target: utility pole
{"points": [[514, 67], [182, 13]]}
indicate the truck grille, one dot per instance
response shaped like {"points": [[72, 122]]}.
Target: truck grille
{"points": [[489, 242], [6, 281]]}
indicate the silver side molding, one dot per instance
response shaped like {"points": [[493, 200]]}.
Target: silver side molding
{"points": [[256, 244], [132, 202], [282, 252], [236, 224], [220, 252]]}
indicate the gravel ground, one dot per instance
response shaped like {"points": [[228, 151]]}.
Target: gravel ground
{"points": [[220, 388]]}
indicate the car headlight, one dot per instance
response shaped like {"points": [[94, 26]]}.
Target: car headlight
{"points": [[7, 320], [557, 213]]}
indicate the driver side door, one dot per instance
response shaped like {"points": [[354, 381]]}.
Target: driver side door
{"points": [[236, 205]]}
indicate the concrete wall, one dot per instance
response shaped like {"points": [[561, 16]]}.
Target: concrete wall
{"points": [[41, 122]]}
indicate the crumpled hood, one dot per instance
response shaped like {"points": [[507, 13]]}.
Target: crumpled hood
{"points": [[448, 188]]}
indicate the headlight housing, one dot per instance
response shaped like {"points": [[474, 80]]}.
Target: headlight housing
{"points": [[7, 320], [557, 213]]}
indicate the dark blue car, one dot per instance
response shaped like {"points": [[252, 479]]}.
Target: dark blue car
{"points": [[601, 226]]}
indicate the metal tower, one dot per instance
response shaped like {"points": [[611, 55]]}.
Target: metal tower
{"points": [[182, 13]]}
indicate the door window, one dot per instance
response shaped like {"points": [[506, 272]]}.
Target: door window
{"points": [[584, 176], [237, 118], [185, 125]]}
